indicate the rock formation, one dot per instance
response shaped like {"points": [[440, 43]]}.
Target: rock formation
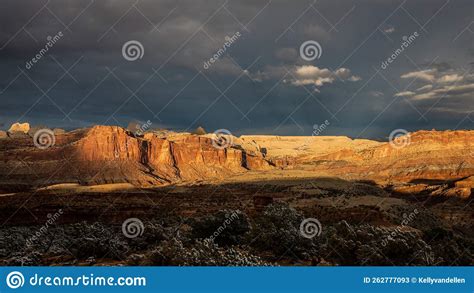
{"points": [[19, 127], [431, 155], [59, 131], [110, 154]]}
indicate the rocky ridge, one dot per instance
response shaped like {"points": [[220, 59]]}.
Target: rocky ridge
{"points": [[111, 154]]}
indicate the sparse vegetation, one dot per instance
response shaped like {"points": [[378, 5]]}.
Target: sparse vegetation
{"points": [[277, 231], [201, 253], [357, 230], [226, 227]]}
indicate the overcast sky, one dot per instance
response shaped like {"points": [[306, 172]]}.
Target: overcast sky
{"points": [[259, 84]]}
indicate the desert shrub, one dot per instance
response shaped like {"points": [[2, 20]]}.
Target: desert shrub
{"points": [[21, 259], [14, 240], [226, 227], [84, 240], [80, 240], [200, 253], [362, 189], [414, 216], [365, 244], [277, 230], [451, 247], [152, 235], [136, 259]]}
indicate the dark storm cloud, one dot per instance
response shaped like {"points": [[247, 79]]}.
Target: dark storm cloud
{"points": [[256, 83]]}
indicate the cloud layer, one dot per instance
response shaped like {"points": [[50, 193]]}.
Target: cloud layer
{"points": [[257, 84]]}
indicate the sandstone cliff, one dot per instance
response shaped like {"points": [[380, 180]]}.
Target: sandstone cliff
{"points": [[110, 154], [426, 155]]}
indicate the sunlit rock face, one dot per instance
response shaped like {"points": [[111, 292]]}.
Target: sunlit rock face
{"points": [[19, 127], [111, 154]]}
